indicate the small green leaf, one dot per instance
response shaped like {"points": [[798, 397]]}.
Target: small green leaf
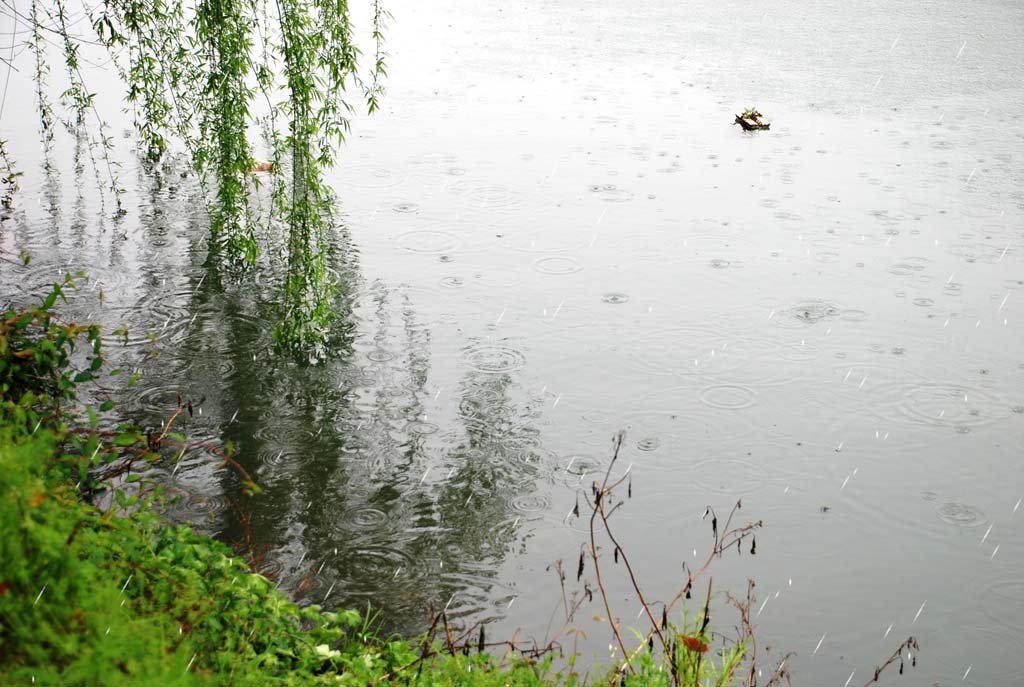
{"points": [[106, 405], [51, 298], [127, 439]]}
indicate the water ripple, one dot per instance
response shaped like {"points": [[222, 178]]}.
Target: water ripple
{"points": [[494, 358]]}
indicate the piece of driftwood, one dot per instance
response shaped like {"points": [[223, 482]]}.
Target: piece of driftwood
{"points": [[751, 120]]}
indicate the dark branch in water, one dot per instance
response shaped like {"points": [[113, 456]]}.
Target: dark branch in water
{"points": [[908, 644]]}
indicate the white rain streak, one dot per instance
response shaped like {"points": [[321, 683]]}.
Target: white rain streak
{"points": [[558, 309]]}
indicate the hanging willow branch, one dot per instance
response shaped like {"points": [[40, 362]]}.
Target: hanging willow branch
{"points": [[192, 74]]}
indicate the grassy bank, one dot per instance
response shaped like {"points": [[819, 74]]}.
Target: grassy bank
{"points": [[94, 597], [118, 597]]}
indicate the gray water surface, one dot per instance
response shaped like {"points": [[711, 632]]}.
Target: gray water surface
{"points": [[555, 232]]}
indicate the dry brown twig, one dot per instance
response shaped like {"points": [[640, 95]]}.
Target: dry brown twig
{"points": [[724, 539], [908, 644]]}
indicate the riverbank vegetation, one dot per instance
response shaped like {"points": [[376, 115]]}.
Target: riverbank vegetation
{"points": [[114, 596]]}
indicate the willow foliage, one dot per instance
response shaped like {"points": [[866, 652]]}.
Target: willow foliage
{"points": [[202, 75]]}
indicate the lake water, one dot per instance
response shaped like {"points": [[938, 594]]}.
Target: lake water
{"points": [[556, 232]]}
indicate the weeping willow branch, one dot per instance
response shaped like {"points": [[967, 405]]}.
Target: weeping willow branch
{"points": [[8, 178], [83, 104], [192, 74], [42, 69], [224, 28]]}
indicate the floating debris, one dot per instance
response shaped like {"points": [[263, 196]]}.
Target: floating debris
{"points": [[751, 120]]}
